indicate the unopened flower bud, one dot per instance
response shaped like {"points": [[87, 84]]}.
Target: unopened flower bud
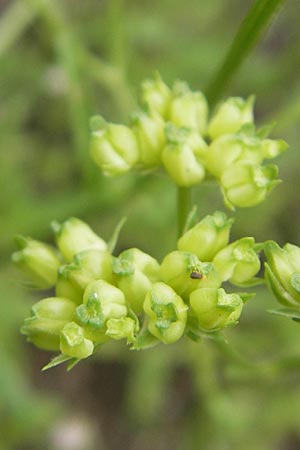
{"points": [[184, 273], [230, 116], [182, 156], [73, 342], [74, 236], [244, 147], [167, 313], [208, 237], [85, 267], [232, 148], [238, 262], [246, 185], [272, 148], [283, 272], [156, 95], [135, 272], [48, 317], [101, 302], [149, 131], [37, 261], [113, 147], [215, 309], [124, 328], [188, 109]]}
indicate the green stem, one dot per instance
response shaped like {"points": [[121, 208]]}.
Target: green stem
{"points": [[67, 48], [252, 27], [16, 18], [183, 207]]}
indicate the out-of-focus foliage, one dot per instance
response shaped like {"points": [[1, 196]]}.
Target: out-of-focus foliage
{"points": [[60, 63]]}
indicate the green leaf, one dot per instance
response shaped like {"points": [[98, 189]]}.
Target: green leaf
{"points": [[145, 339], [56, 361], [115, 236], [264, 131], [191, 219], [73, 363]]}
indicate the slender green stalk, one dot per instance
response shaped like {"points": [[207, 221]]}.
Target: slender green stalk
{"points": [[67, 48], [183, 207], [252, 27], [16, 18]]}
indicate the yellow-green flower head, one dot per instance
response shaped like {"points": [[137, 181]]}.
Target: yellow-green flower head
{"points": [[135, 273], [182, 156], [215, 309], [245, 185], [156, 95], [37, 261], [184, 273], [167, 313], [283, 272], [238, 262], [188, 108], [74, 236], [230, 116], [150, 134], [208, 237], [101, 302], [85, 267], [113, 147], [73, 342], [48, 317]]}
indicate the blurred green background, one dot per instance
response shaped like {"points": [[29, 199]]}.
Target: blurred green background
{"points": [[61, 62]]}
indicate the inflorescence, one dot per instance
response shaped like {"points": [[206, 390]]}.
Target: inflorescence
{"points": [[101, 297]]}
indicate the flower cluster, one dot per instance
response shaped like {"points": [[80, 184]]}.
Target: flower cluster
{"points": [[99, 297], [175, 131]]}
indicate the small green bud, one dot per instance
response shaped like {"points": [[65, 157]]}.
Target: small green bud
{"points": [[149, 131], [246, 185], [114, 148], [167, 313], [189, 136], [215, 309], [184, 273], [136, 272], [238, 262], [74, 236], [124, 328], [208, 237], [230, 116], [101, 302], [73, 342], [86, 267], [283, 272], [65, 287], [272, 148], [188, 109], [229, 149], [37, 261], [182, 156], [156, 95], [48, 317]]}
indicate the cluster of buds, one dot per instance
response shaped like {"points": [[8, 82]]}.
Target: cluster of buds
{"points": [[174, 131], [98, 297]]}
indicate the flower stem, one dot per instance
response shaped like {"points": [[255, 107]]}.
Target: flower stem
{"points": [[183, 207]]}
